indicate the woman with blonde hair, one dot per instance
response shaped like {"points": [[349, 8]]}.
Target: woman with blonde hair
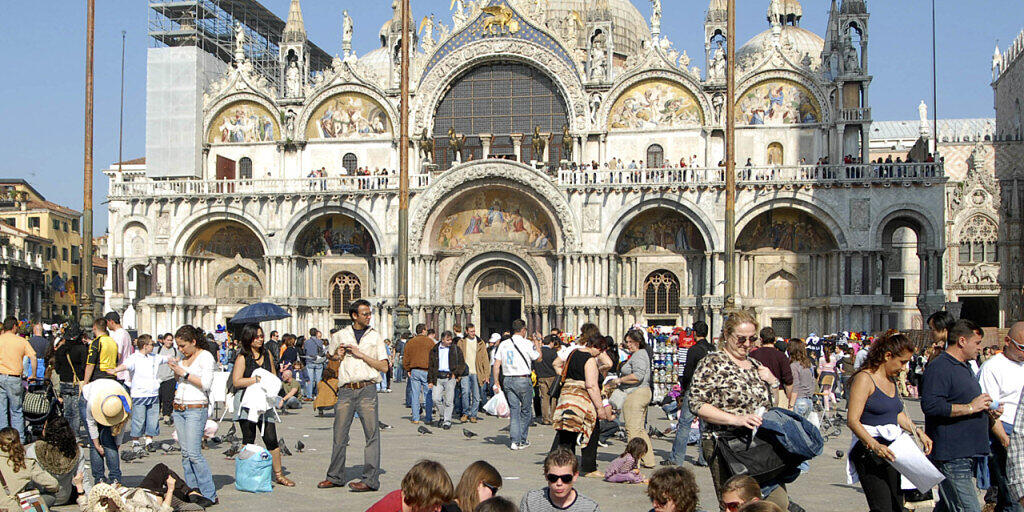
{"points": [[729, 390], [480, 482], [19, 471]]}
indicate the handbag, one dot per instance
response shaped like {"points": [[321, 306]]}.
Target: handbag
{"points": [[746, 453], [556, 389], [36, 403], [253, 470]]}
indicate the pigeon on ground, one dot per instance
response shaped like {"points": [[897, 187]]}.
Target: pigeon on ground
{"points": [[151, 447], [231, 432], [128, 455], [216, 440], [424, 430], [284, 447], [383, 426], [468, 433], [233, 450], [300, 446], [839, 454], [504, 429]]}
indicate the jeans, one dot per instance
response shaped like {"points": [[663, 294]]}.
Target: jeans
{"points": [[519, 393], [470, 395], [364, 402], [418, 383], [313, 373], [399, 372], [190, 424], [145, 417], [109, 457], [957, 493], [997, 472], [444, 395], [683, 428], [69, 397], [11, 394]]}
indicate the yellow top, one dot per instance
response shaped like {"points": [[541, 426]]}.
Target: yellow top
{"points": [[13, 350]]}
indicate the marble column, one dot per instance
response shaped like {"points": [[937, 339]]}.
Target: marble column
{"points": [[485, 140], [577, 150], [517, 145], [602, 149]]}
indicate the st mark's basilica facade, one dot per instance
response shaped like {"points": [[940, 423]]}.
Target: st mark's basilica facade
{"points": [[565, 168]]}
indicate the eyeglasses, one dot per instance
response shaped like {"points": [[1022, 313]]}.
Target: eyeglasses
{"points": [[742, 340], [732, 506], [493, 488], [552, 478]]}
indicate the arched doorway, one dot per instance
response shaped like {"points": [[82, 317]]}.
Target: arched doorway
{"points": [[499, 296], [904, 281], [787, 258]]}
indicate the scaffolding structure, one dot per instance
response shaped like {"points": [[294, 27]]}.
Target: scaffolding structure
{"points": [[210, 26]]}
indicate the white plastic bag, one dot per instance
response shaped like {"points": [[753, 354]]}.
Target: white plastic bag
{"points": [[814, 419], [497, 405]]}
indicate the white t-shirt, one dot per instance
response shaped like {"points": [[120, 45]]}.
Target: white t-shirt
{"points": [[124, 349], [144, 370], [470, 354], [1003, 380], [513, 364], [189, 393]]}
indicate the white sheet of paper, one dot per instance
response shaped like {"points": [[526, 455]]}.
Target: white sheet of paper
{"points": [[912, 463]]}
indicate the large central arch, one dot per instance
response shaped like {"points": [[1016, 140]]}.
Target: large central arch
{"points": [[490, 172]]}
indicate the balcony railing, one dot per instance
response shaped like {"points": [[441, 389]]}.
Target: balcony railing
{"points": [[139, 188], [21, 257], [855, 114], [757, 175]]}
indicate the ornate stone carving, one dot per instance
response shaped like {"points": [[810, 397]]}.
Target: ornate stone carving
{"points": [[240, 79], [592, 218], [459, 266], [520, 174], [860, 214]]}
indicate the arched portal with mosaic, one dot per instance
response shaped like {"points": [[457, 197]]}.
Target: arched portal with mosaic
{"points": [[334, 235], [243, 122], [493, 215], [655, 104], [777, 102], [348, 115]]}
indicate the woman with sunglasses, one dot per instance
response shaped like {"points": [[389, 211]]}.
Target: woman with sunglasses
{"points": [[479, 482], [728, 390], [252, 357]]}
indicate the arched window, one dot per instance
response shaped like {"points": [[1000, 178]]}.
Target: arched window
{"points": [[978, 241], [655, 156], [775, 154], [350, 163], [245, 168], [661, 293], [344, 289]]}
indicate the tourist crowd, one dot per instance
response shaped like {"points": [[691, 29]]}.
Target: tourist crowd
{"points": [[746, 386]]}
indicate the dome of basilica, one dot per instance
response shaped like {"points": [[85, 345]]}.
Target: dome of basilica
{"points": [[803, 42], [628, 26]]}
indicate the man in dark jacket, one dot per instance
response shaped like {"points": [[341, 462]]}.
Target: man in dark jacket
{"points": [[693, 356], [445, 367]]}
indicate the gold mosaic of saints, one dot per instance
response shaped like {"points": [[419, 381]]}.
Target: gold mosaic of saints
{"points": [[501, 20]]}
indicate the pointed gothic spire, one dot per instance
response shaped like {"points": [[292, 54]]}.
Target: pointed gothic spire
{"points": [[717, 10], [295, 28]]}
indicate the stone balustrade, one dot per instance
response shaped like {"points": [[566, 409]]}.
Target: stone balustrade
{"points": [[852, 174], [143, 188], [855, 114], [16, 256]]}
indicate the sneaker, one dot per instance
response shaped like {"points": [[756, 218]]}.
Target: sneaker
{"points": [[524, 445], [447, 426], [513, 447], [603, 444]]}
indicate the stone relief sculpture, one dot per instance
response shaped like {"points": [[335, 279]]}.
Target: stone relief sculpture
{"points": [[459, 8], [427, 33], [597, 63], [851, 62], [716, 70], [595, 107], [292, 81]]}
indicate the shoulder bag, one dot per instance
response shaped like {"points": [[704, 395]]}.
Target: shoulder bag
{"points": [[533, 374], [556, 389], [743, 452]]}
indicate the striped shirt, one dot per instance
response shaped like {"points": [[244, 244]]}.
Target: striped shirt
{"points": [[539, 501]]}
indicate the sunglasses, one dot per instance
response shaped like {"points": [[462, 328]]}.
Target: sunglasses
{"points": [[732, 506], [746, 339], [552, 478], [493, 488]]}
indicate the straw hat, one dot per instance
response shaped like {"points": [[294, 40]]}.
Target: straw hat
{"points": [[109, 403]]}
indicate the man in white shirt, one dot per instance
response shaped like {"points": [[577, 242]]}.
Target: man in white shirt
{"points": [[124, 344], [363, 357], [1002, 377], [514, 359]]}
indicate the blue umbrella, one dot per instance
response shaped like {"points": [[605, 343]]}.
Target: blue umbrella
{"points": [[259, 312]]}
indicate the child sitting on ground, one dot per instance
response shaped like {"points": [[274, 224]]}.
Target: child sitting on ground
{"points": [[624, 469]]}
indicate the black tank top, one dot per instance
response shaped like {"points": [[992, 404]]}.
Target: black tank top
{"points": [[251, 366]]}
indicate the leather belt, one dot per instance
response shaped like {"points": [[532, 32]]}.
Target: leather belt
{"points": [[182, 407], [444, 375], [358, 385]]}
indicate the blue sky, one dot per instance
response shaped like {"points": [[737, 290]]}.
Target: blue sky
{"points": [[43, 90]]}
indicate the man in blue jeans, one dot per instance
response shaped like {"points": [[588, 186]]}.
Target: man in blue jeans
{"points": [[13, 350], [313, 357], [514, 359], [475, 351], [693, 356], [956, 417], [417, 361]]}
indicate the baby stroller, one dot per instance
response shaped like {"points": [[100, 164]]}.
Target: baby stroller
{"points": [[39, 404]]}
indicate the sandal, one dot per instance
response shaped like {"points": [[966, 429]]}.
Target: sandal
{"points": [[279, 478], [594, 474]]}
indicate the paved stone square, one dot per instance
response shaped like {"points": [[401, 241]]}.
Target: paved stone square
{"points": [[824, 488]]}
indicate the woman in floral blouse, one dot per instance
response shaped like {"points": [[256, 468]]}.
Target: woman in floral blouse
{"points": [[727, 390]]}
